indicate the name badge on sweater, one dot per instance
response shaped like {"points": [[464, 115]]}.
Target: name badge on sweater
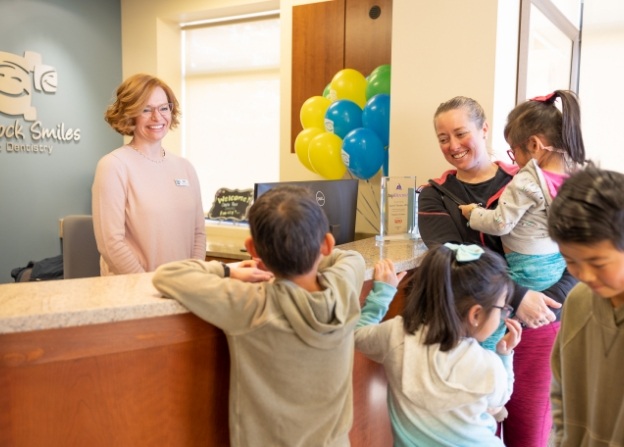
{"points": [[181, 182]]}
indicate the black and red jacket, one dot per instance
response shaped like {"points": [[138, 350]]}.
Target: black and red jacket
{"points": [[440, 220]]}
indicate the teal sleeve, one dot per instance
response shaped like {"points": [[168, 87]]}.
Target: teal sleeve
{"points": [[508, 363], [376, 304]]}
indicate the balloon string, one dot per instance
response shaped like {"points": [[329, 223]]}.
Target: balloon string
{"points": [[368, 220], [374, 195], [372, 210]]}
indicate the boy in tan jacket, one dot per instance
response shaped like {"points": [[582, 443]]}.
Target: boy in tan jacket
{"points": [[291, 338]]}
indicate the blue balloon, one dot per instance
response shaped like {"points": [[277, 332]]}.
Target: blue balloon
{"points": [[342, 117], [363, 153], [376, 116]]}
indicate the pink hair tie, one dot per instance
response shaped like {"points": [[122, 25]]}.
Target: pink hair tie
{"points": [[545, 99]]}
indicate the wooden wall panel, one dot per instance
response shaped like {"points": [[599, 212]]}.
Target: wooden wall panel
{"points": [[317, 53], [368, 41], [329, 36]]}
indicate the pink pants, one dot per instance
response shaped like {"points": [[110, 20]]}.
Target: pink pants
{"points": [[530, 421]]}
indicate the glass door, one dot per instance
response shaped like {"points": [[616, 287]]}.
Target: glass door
{"points": [[549, 52]]}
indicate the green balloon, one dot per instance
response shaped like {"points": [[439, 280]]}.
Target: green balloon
{"points": [[326, 92], [381, 69], [378, 82]]}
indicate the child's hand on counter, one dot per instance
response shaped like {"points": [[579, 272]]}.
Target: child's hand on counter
{"points": [[385, 272]]}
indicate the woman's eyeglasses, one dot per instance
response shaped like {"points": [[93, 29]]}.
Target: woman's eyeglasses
{"points": [[506, 310], [163, 109]]}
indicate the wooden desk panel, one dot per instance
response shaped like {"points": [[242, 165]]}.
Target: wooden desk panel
{"points": [[152, 382]]}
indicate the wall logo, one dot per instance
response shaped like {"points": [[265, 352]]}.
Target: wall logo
{"points": [[20, 78], [16, 82]]}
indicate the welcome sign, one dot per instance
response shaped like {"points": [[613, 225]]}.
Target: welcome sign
{"points": [[21, 77], [231, 204]]}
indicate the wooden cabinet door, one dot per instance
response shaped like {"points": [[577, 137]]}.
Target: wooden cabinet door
{"points": [[368, 34], [329, 36], [317, 53]]}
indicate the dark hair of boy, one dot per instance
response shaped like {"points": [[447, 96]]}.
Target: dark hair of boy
{"points": [[444, 290], [288, 227], [589, 208]]}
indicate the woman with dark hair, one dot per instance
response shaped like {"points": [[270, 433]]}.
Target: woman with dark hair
{"points": [[547, 145]]}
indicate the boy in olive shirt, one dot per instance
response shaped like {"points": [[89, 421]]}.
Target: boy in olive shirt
{"points": [[587, 221], [291, 339]]}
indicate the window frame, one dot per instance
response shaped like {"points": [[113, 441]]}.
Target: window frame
{"points": [[561, 22]]}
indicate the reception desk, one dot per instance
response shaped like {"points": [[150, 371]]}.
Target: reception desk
{"points": [[109, 362]]}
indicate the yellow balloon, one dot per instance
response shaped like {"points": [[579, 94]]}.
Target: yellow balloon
{"points": [[312, 113], [349, 84], [302, 145], [325, 156]]}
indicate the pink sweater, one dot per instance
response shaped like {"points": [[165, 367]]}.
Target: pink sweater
{"points": [[144, 213]]}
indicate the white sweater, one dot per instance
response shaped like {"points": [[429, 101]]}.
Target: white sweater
{"points": [[435, 398]]}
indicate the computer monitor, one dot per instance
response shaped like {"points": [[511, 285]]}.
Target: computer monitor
{"points": [[337, 198]]}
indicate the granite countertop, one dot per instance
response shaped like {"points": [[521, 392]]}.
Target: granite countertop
{"points": [[40, 305], [404, 253]]}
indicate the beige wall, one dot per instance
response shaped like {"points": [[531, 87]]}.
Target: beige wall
{"points": [[435, 55], [440, 49], [151, 37], [600, 86]]}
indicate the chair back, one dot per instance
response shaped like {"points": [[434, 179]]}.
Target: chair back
{"points": [[81, 258]]}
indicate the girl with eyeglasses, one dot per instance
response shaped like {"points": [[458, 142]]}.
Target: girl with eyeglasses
{"points": [[443, 387], [547, 145]]}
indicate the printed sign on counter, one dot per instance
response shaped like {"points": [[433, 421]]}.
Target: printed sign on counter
{"points": [[231, 204]]}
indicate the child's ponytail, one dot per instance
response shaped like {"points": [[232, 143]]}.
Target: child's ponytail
{"points": [[446, 285], [571, 135], [540, 116]]}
